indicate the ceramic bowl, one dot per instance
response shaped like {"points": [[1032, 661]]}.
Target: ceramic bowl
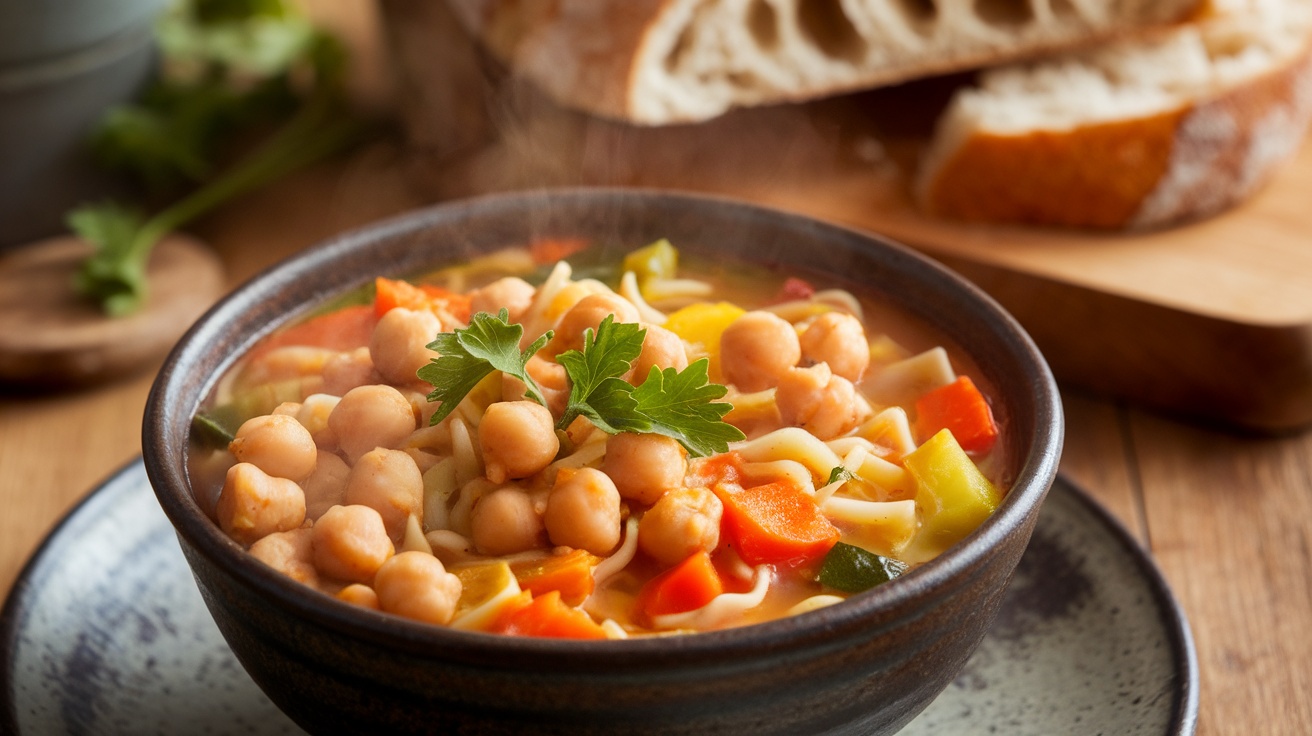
{"points": [[867, 665]]}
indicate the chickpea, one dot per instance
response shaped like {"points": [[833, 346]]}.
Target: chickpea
{"points": [[756, 349], [371, 416], [254, 504], [360, 595], [518, 438], [512, 293], [389, 482], [416, 585], [583, 511], [399, 345], [837, 338], [346, 371], [661, 349], [644, 466], [682, 522], [326, 486], [589, 313], [350, 543], [290, 553], [550, 377], [818, 401], [276, 444], [506, 521]]}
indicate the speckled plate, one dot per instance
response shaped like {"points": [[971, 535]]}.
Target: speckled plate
{"points": [[106, 633]]}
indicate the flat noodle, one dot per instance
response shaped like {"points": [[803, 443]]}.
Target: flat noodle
{"points": [[814, 603], [450, 547], [722, 607], [622, 556], [534, 318], [439, 486], [796, 473], [463, 448], [646, 312], [791, 443], [480, 617]]}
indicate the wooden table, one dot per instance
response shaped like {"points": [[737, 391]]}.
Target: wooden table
{"points": [[1227, 517]]}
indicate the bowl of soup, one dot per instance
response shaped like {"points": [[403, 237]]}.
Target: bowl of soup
{"points": [[603, 461]]}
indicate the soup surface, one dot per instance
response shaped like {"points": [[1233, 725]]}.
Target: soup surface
{"points": [[539, 444]]}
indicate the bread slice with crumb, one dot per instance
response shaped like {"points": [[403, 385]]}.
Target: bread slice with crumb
{"points": [[1135, 134], [665, 61]]}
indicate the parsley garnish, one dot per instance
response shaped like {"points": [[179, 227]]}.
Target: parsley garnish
{"points": [[839, 473], [677, 404], [467, 356]]}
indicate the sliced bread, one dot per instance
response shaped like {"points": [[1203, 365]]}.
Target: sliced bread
{"points": [[664, 61], [1135, 134]]}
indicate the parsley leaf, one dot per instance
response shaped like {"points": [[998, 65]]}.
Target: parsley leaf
{"points": [[596, 390], [677, 404], [839, 473], [210, 91], [681, 405], [467, 356]]}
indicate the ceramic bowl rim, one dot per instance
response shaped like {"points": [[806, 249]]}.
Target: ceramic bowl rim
{"points": [[831, 627]]}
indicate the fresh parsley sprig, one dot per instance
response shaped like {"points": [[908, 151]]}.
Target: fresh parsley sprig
{"points": [[242, 60], [467, 356], [677, 404]]}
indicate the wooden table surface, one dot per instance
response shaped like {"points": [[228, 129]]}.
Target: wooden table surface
{"points": [[1226, 517]]}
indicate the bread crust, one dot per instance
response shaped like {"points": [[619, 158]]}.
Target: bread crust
{"points": [[592, 55], [1150, 171]]}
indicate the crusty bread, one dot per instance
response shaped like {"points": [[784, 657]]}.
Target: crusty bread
{"points": [[663, 61], [1136, 134]]}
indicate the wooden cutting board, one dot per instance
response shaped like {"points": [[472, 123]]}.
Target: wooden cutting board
{"points": [[1211, 319]]}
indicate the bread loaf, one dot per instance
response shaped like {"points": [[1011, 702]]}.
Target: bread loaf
{"points": [[663, 61], [1134, 134]]}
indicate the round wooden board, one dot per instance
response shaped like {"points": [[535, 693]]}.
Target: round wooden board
{"points": [[51, 337]]}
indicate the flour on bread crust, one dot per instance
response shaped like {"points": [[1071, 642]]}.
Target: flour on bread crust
{"points": [[1134, 134], [664, 61]]}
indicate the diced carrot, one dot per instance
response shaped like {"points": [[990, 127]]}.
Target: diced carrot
{"points": [[775, 523], [392, 293], [711, 471], [550, 250], [687, 586], [457, 305], [570, 574], [960, 408], [547, 616], [344, 329]]}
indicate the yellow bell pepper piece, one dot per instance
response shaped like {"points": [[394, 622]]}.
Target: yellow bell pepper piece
{"points": [[953, 495], [700, 325], [658, 260]]}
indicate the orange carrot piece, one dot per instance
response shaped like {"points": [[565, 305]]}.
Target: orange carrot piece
{"points": [[344, 329], [570, 574], [960, 408], [687, 586], [457, 305], [712, 471], [392, 293], [550, 250], [548, 617], [775, 523]]}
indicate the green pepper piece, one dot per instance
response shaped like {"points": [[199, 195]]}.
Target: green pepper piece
{"points": [[851, 569], [211, 431]]}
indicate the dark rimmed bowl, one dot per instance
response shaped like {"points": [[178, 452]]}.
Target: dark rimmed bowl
{"points": [[867, 665]]}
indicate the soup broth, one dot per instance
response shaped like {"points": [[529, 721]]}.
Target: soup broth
{"points": [[544, 442]]}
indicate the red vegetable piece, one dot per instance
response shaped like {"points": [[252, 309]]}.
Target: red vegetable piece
{"points": [[775, 523], [687, 586], [960, 408], [548, 617]]}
